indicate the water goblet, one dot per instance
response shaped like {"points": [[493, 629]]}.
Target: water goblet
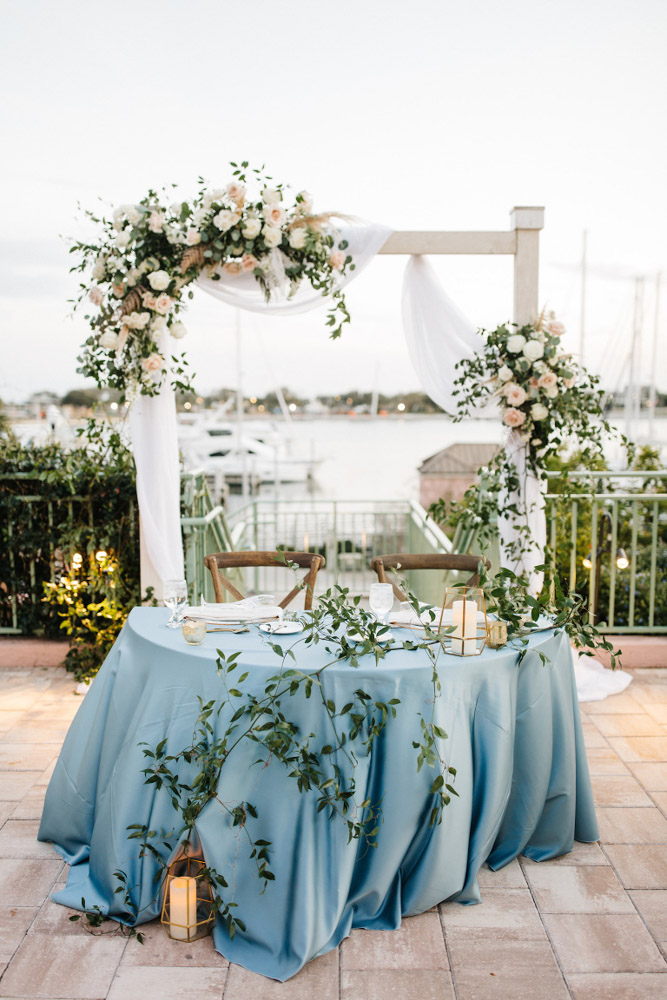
{"points": [[175, 595], [381, 600]]}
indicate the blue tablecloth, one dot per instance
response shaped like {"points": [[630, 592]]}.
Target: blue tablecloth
{"points": [[514, 736]]}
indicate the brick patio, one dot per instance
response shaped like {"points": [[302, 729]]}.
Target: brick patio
{"points": [[592, 925]]}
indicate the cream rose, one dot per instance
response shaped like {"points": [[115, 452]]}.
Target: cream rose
{"points": [[109, 341], [514, 418], [272, 237], [153, 365], [232, 267], [225, 219], [297, 238], [148, 300], [118, 290], [156, 222], [123, 238], [159, 280], [199, 215], [533, 350], [96, 296], [514, 394], [337, 260], [248, 262], [551, 391], [547, 380], [132, 215], [538, 411], [274, 215], [236, 192], [252, 228], [99, 268], [192, 237], [555, 328], [515, 343], [137, 321], [158, 325], [271, 196], [568, 382], [177, 330], [505, 373], [163, 304]]}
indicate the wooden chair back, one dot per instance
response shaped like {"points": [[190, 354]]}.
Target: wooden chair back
{"points": [[437, 560], [218, 561]]}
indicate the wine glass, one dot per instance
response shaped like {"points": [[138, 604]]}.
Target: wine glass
{"points": [[381, 600], [175, 595]]}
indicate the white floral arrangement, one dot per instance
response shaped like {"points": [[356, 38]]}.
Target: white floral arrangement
{"points": [[545, 396], [148, 253]]}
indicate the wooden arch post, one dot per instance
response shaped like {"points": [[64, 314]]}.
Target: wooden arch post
{"points": [[522, 240]]}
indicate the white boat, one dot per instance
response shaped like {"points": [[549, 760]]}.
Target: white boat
{"points": [[220, 446]]}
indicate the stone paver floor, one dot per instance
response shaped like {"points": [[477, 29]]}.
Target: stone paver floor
{"points": [[591, 925]]}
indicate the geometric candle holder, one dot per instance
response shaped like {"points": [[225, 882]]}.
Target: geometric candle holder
{"points": [[463, 615], [188, 911]]}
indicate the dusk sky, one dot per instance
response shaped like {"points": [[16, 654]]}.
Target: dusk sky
{"points": [[428, 115]]}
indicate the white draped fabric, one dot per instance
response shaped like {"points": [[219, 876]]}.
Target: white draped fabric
{"points": [[153, 418], [243, 292], [595, 682], [438, 335]]}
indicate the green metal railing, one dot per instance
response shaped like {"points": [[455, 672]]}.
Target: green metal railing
{"points": [[205, 530], [610, 542], [348, 533]]}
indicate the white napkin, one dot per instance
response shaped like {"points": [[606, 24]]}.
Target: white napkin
{"points": [[410, 617], [247, 611]]}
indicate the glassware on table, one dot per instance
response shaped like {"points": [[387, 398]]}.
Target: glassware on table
{"points": [[381, 600], [175, 595], [193, 631]]}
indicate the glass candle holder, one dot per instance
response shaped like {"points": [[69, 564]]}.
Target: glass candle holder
{"points": [[193, 631], [496, 635], [188, 912], [463, 621]]}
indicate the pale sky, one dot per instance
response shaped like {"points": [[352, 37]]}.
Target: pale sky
{"points": [[432, 114]]}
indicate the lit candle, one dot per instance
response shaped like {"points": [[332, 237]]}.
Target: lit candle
{"points": [[182, 908], [464, 620]]}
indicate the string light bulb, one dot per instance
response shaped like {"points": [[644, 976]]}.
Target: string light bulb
{"points": [[622, 561]]}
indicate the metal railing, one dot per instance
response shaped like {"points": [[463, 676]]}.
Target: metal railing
{"points": [[348, 533], [609, 542], [205, 530]]}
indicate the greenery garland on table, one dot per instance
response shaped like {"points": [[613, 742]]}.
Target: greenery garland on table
{"points": [[148, 253]]}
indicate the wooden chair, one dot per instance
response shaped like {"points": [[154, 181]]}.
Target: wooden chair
{"points": [[226, 560], [437, 560]]}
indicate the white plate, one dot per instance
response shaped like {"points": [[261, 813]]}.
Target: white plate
{"points": [[282, 628]]}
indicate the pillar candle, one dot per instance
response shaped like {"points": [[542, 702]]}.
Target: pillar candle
{"points": [[182, 907], [464, 620]]}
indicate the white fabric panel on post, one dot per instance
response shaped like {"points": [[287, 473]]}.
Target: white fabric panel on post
{"points": [[155, 446], [438, 335]]}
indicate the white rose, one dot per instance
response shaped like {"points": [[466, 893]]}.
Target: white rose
{"points": [[297, 240], [305, 202], [252, 228], [533, 350], [515, 343], [505, 373], [175, 208], [163, 304], [177, 330], [132, 215], [270, 196], [192, 237], [96, 295], [225, 219], [158, 325], [108, 341], [99, 268], [159, 280], [137, 321], [199, 215], [272, 237], [173, 234], [123, 238], [551, 391], [539, 412], [218, 194]]}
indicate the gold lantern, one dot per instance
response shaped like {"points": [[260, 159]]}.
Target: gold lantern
{"points": [[188, 911], [463, 623]]}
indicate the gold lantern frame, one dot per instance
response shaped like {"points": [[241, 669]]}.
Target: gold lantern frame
{"points": [[204, 906], [472, 641]]}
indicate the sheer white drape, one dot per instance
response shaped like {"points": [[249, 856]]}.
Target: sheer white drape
{"points": [[438, 335], [153, 418]]}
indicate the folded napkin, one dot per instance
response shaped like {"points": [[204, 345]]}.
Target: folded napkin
{"points": [[429, 616], [244, 612]]}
